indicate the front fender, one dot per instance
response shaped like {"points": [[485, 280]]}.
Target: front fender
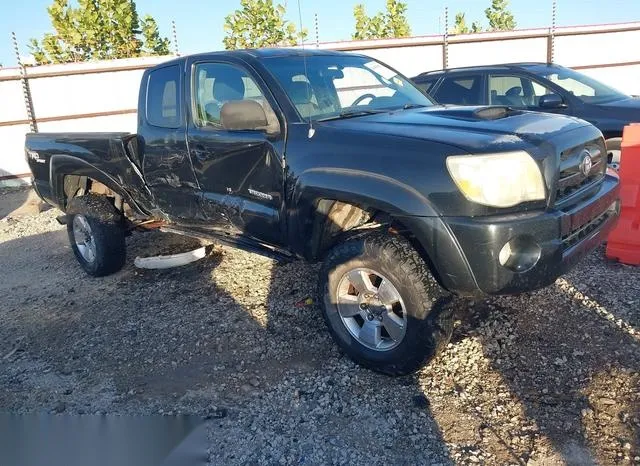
{"points": [[372, 191], [363, 188]]}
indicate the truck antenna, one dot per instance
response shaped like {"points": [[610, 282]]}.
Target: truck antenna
{"points": [[312, 131]]}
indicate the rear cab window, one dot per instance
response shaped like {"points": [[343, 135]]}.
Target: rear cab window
{"points": [[163, 106]]}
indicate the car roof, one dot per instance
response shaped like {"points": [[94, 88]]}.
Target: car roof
{"points": [[531, 66], [260, 53]]}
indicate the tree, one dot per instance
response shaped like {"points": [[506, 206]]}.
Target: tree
{"points": [[499, 16], [383, 25], [153, 43], [460, 26], [260, 23], [97, 29]]}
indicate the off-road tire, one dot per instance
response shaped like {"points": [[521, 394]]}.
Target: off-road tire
{"points": [[107, 232], [429, 308]]}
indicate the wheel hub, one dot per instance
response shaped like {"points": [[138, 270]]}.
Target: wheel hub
{"points": [[83, 237], [372, 305], [371, 309]]}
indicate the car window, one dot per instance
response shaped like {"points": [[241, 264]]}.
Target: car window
{"points": [[162, 102], [460, 90], [583, 87], [515, 91], [325, 86], [426, 83], [506, 90], [538, 91], [218, 83]]}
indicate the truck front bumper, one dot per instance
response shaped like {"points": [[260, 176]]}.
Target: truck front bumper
{"points": [[517, 253]]}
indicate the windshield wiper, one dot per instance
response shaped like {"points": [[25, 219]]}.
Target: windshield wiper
{"points": [[351, 114]]}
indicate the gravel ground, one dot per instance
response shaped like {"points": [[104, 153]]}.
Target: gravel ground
{"points": [[550, 377]]}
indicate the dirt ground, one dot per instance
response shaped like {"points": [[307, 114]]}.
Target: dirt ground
{"points": [[550, 377]]}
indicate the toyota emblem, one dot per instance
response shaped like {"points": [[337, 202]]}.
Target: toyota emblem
{"points": [[587, 163]]}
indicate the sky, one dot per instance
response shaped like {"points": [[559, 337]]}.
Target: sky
{"points": [[199, 23]]}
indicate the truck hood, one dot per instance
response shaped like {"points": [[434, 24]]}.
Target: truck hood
{"points": [[468, 128]]}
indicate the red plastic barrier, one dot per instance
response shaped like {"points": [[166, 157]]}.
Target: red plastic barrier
{"points": [[624, 241]]}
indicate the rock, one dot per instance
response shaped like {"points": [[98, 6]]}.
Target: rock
{"points": [[60, 407], [216, 413]]}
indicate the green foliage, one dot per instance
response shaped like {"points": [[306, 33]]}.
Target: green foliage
{"points": [[460, 26], [153, 43], [383, 25], [97, 30], [260, 23], [499, 16]]}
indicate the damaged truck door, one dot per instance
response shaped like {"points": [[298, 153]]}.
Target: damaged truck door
{"points": [[236, 149]]}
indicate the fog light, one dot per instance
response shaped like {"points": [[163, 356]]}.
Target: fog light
{"points": [[520, 254]]}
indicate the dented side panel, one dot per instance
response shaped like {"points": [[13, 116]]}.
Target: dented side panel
{"points": [[241, 176]]}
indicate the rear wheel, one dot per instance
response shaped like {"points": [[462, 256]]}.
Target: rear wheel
{"points": [[382, 305], [96, 234]]}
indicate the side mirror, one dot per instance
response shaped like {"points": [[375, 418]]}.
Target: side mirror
{"points": [[243, 115], [551, 101]]}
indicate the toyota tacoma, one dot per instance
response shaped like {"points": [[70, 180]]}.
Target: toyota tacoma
{"points": [[337, 158]]}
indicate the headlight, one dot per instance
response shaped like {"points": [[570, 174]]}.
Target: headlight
{"points": [[498, 180]]}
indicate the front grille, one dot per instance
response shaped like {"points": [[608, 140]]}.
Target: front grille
{"points": [[576, 235], [572, 180]]}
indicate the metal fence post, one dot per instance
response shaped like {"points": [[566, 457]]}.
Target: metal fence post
{"points": [[26, 90], [552, 35], [445, 43], [175, 38], [317, 31]]}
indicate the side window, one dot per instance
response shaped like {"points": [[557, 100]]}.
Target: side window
{"points": [[163, 98], [506, 90], [538, 91], [218, 83], [460, 90], [515, 91]]}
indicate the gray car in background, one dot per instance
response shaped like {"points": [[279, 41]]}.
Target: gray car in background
{"points": [[540, 87]]}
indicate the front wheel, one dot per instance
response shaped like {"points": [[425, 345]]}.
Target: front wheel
{"points": [[96, 234], [383, 306]]}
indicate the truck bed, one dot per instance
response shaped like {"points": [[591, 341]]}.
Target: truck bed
{"points": [[110, 157]]}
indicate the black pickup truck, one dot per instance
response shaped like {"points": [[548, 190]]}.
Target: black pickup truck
{"points": [[335, 157]]}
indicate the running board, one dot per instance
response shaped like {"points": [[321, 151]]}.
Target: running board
{"points": [[234, 241]]}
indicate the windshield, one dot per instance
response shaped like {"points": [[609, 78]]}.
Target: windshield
{"points": [[583, 87], [338, 85]]}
